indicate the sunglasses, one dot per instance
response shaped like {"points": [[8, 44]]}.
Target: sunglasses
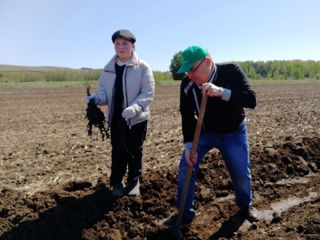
{"points": [[194, 69]]}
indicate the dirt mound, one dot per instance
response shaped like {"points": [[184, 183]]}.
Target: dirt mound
{"points": [[83, 211]]}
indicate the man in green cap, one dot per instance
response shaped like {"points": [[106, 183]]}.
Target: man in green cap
{"points": [[224, 125]]}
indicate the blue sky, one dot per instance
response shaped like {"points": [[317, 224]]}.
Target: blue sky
{"points": [[77, 33]]}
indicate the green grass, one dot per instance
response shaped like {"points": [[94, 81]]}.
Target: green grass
{"points": [[271, 81], [169, 82], [57, 84], [21, 76], [30, 77], [44, 84], [4, 68]]}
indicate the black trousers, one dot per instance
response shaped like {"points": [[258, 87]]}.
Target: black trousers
{"points": [[127, 151]]}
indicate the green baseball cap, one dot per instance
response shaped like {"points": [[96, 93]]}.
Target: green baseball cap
{"points": [[190, 56]]}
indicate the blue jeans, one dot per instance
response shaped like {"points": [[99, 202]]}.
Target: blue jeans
{"points": [[234, 148]]}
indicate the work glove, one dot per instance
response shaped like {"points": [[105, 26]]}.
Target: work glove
{"points": [[131, 111]]}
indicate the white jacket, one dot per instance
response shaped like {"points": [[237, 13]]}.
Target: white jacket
{"points": [[138, 88]]}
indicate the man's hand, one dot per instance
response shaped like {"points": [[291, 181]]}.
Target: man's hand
{"points": [[190, 161], [212, 90]]}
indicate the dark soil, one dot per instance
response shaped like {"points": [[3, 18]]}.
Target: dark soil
{"points": [[54, 178]]}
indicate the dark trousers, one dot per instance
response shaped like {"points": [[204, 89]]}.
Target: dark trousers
{"points": [[127, 150]]}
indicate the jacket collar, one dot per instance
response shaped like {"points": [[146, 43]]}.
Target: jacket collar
{"points": [[131, 62]]}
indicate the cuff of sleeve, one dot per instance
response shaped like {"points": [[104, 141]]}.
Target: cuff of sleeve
{"points": [[93, 97], [96, 99], [188, 145], [226, 94]]}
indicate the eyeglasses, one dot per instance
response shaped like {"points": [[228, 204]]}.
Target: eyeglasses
{"points": [[194, 69]]}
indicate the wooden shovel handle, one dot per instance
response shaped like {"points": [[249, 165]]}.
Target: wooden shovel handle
{"points": [[192, 153], [199, 125]]}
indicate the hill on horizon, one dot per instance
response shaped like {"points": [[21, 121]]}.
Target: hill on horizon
{"points": [[8, 67]]}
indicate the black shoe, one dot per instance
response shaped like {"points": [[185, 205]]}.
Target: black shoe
{"points": [[251, 214], [186, 219], [117, 190]]}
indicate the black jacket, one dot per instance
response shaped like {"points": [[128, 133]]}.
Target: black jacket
{"points": [[221, 116]]}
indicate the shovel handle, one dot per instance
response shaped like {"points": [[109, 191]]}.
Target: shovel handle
{"points": [[199, 125], [192, 153]]}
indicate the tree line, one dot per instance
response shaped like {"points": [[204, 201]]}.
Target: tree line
{"points": [[282, 70], [276, 69]]}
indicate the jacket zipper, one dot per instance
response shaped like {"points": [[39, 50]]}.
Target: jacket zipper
{"points": [[124, 82]]}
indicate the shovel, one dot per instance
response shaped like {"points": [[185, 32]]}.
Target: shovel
{"points": [[175, 231]]}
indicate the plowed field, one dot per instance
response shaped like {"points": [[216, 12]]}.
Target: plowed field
{"points": [[54, 178]]}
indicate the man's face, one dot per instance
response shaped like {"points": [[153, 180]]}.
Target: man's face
{"points": [[200, 71]]}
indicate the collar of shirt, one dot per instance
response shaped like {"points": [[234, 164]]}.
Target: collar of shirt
{"points": [[213, 74], [122, 63]]}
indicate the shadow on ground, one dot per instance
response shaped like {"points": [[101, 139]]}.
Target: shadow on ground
{"points": [[66, 220], [229, 227]]}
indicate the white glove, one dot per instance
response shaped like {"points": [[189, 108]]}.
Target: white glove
{"points": [[130, 111]]}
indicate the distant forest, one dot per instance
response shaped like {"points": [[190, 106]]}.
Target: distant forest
{"points": [[278, 70], [274, 70]]}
